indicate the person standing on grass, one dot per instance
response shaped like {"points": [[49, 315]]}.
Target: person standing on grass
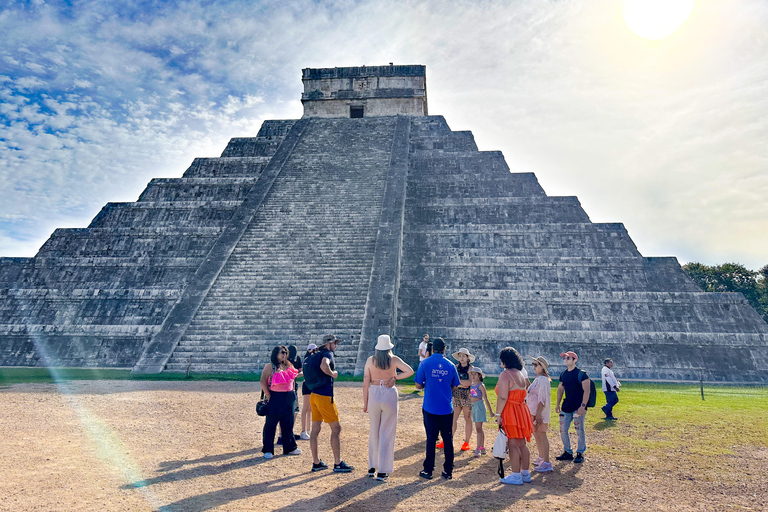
{"points": [[323, 407], [478, 396], [539, 401], [306, 408], [574, 384], [380, 402], [513, 416], [277, 381], [423, 348], [437, 376], [611, 389], [461, 402]]}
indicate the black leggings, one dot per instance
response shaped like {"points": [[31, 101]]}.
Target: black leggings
{"points": [[279, 410]]}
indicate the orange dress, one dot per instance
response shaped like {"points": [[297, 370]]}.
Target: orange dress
{"points": [[516, 417]]}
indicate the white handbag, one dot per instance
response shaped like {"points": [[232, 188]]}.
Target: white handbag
{"points": [[500, 447], [500, 451]]}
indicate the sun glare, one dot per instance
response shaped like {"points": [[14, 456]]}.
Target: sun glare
{"points": [[656, 19]]}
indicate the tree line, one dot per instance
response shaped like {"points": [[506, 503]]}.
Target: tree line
{"points": [[733, 277]]}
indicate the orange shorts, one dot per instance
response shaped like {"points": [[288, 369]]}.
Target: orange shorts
{"points": [[323, 408]]}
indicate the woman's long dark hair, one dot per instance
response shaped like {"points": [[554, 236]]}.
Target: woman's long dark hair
{"points": [[273, 357], [382, 359]]}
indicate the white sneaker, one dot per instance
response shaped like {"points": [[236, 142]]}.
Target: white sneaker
{"points": [[544, 467], [304, 436], [526, 476], [268, 455], [512, 479], [297, 451], [537, 461]]}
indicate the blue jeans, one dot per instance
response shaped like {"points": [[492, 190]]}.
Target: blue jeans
{"points": [[611, 399], [565, 423], [442, 424]]}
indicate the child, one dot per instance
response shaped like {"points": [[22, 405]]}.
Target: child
{"points": [[539, 401], [477, 394]]}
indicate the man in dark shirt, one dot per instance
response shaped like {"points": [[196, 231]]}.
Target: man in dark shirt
{"points": [[437, 376], [575, 384], [323, 407]]}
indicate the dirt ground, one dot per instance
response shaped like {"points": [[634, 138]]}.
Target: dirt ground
{"points": [[195, 446]]}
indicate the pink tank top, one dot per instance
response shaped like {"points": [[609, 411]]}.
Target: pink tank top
{"points": [[283, 381]]}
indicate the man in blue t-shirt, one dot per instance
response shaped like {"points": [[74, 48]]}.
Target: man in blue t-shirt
{"points": [[437, 376]]}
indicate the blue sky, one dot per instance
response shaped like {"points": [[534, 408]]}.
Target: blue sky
{"points": [[667, 137]]}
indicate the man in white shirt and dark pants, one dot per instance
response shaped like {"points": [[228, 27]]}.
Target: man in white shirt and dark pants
{"points": [[610, 388]]}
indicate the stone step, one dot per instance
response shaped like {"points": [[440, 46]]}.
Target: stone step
{"points": [[232, 167]]}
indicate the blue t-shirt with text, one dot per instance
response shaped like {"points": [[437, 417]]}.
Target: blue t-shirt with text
{"points": [[438, 376]]}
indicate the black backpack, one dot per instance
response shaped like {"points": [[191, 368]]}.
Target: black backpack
{"points": [[314, 377], [592, 393]]}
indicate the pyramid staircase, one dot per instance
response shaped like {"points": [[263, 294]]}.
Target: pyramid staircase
{"points": [[302, 267]]}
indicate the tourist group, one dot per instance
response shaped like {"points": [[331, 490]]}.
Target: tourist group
{"points": [[451, 391]]}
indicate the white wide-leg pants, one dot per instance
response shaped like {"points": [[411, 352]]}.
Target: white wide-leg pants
{"points": [[382, 410]]}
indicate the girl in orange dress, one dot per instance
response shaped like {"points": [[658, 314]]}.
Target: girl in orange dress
{"points": [[513, 415]]}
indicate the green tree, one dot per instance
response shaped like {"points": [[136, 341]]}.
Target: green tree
{"points": [[733, 277]]}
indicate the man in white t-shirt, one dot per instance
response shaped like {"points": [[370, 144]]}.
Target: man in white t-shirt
{"points": [[611, 387], [423, 348]]}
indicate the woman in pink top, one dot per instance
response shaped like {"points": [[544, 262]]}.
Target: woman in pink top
{"points": [[277, 384], [539, 401]]}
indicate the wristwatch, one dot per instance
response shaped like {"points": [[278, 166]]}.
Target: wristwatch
{"points": [[583, 405]]}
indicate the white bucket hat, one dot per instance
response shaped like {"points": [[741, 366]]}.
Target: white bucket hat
{"points": [[384, 343], [477, 369], [463, 351]]}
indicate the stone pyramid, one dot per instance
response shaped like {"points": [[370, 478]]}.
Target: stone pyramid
{"points": [[366, 216]]}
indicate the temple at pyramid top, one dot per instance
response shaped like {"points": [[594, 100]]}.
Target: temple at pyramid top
{"points": [[366, 91]]}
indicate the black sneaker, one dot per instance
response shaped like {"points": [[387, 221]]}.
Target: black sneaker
{"points": [[279, 440], [424, 474], [297, 437], [382, 476], [319, 466], [371, 472], [446, 476], [565, 456], [579, 458], [342, 467]]}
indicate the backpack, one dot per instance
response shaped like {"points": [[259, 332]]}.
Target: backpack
{"points": [[592, 393], [314, 377]]}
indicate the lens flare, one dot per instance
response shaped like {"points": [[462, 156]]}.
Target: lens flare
{"points": [[107, 444]]}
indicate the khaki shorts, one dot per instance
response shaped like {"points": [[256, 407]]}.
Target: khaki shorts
{"points": [[323, 408]]}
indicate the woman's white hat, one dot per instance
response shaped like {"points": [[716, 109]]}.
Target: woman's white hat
{"points": [[384, 343], [311, 346], [463, 351]]}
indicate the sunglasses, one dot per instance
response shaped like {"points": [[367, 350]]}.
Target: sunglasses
{"points": [[283, 352]]}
